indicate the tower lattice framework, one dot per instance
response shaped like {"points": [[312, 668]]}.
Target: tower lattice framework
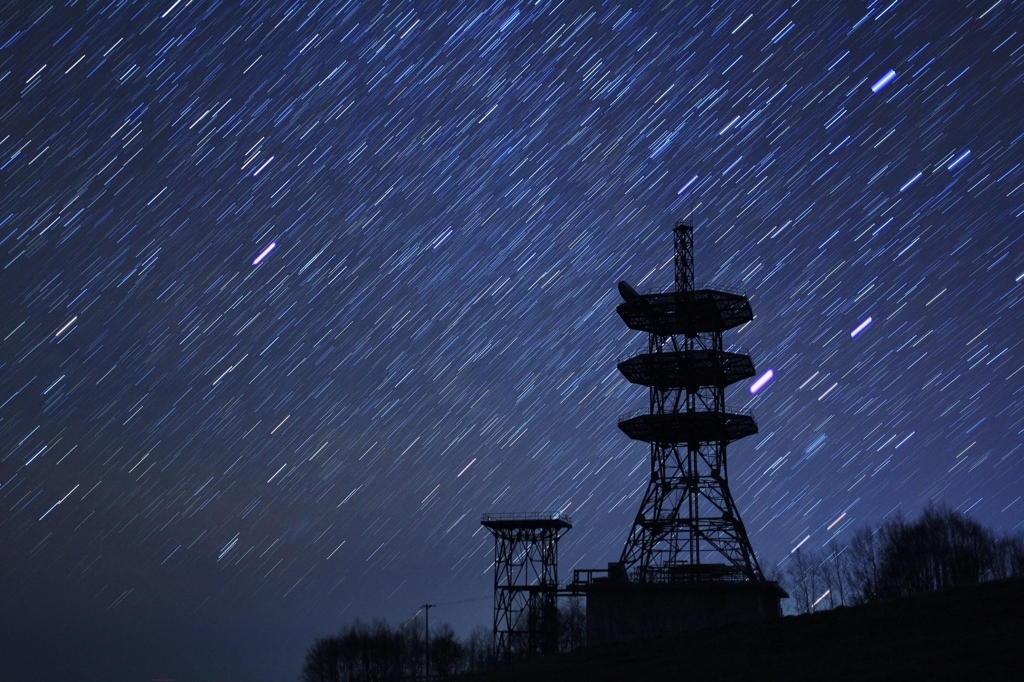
{"points": [[688, 527], [525, 582]]}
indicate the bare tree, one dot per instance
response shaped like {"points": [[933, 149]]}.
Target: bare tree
{"points": [[480, 649], [412, 634], [863, 563], [941, 549], [1008, 560], [322, 658], [447, 654], [804, 580], [362, 653], [572, 624], [835, 574]]}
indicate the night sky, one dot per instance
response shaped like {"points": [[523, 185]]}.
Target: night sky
{"points": [[293, 292]]}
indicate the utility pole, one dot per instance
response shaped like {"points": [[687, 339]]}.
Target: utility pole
{"points": [[426, 633]]}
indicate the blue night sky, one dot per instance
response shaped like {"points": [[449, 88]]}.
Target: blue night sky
{"points": [[207, 458]]}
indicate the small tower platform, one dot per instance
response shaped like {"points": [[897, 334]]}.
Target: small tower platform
{"points": [[525, 582]]}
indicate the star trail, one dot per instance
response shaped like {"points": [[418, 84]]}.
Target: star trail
{"points": [[293, 292]]}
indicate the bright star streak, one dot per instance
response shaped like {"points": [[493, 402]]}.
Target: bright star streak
{"points": [[170, 9], [59, 501], [833, 524], [883, 81], [264, 253], [910, 182], [687, 185], [956, 162], [861, 327], [61, 330], [762, 382], [466, 467], [264, 165]]}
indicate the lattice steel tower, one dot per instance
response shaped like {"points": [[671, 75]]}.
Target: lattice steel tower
{"points": [[688, 527], [525, 582]]}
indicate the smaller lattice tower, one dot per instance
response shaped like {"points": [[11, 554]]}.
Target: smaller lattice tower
{"points": [[688, 528], [525, 582]]}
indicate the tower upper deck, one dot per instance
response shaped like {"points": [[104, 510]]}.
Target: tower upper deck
{"points": [[685, 313]]}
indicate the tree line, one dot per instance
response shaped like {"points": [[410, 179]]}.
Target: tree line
{"points": [[899, 558], [377, 652]]}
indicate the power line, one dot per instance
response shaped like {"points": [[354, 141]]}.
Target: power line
{"points": [[447, 603]]}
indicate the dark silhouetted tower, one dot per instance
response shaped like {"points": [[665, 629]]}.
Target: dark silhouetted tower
{"points": [[688, 528], [525, 582]]}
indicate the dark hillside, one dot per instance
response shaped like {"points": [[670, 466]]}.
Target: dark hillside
{"points": [[966, 633]]}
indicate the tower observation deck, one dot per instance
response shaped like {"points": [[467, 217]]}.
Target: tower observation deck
{"points": [[688, 529]]}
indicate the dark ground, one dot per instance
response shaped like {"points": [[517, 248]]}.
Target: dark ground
{"points": [[968, 633]]}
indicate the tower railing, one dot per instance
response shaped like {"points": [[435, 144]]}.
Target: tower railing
{"points": [[697, 286], [735, 350], [730, 412], [527, 516]]}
